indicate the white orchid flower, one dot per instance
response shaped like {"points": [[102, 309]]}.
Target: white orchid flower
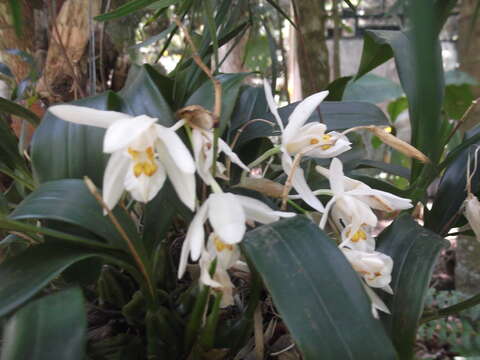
{"points": [[227, 214], [226, 256], [374, 267], [353, 200], [309, 139], [142, 154], [202, 143]]}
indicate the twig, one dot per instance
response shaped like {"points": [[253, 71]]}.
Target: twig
{"points": [[93, 190], [196, 57], [258, 333], [289, 183], [217, 86], [462, 119], [450, 310], [76, 80]]}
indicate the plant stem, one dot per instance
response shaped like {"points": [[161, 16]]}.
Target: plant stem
{"points": [[273, 151], [450, 310]]}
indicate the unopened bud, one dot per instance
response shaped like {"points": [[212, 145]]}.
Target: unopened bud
{"points": [[197, 116]]}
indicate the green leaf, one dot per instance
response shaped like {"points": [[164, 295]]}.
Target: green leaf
{"points": [[414, 251], [44, 330], [251, 104], [451, 192], [337, 87], [133, 6], [159, 214], [13, 108], [26, 274], [16, 15], [61, 149], [316, 291], [148, 93], [372, 88], [205, 96], [396, 107], [458, 99], [70, 201], [281, 12], [388, 168], [419, 67], [9, 154], [336, 115]]}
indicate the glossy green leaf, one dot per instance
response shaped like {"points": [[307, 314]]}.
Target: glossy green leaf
{"points": [[61, 149], [133, 6], [147, 92], [414, 251], [26, 274], [451, 192], [70, 201], [336, 115], [316, 292], [13, 108], [388, 168], [419, 67], [250, 105], [205, 97], [45, 329], [337, 87]]}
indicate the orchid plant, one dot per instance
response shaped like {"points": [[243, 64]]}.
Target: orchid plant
{"points": [[202, 219]]}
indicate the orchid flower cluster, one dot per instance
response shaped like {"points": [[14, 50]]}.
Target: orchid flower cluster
{"points": [[352, 201], [144, 153]]}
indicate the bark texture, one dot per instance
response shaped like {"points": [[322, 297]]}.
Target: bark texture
{"points": [[311, 45]]}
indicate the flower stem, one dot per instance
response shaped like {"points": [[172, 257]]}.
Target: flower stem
{"points": [[273, 151]]}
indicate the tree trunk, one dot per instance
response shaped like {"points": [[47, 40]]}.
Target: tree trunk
{"points": [[312, 49], [9, 39]]}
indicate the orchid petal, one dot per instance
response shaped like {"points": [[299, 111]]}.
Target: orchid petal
{"points": [[259, 211], [227, 217], [234, 157], [205, 263], [202, 165], [176, 148], [301, 113], [271, 103], [87, 116], [123, 132], [113, 178], [182, 265], [183, 183], [336, 177], [300, 184], [143, 188], [196, 234]]}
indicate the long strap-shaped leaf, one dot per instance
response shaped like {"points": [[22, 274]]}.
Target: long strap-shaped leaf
{"points": [[316, 291], [414, 250], [53, 327]]}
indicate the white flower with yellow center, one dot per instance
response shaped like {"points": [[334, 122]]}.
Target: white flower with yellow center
{"points": [[309, 139], [227, 214], [226, 256], [353, 200], [142, 154]]}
